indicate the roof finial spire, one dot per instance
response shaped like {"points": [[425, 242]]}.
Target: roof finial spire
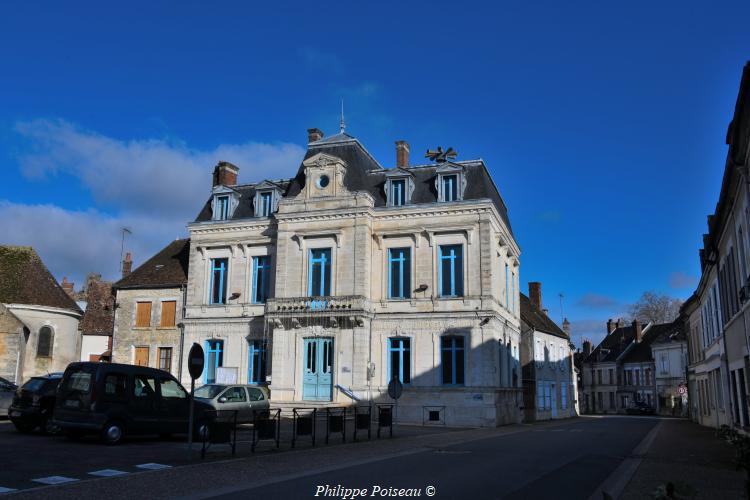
{"points": [[342, 125]]}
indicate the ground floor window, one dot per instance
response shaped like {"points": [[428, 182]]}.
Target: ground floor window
{"points": [[256, 367], [214, 359], [540, 395], [564, 395], [399, 359], [165, 359], [452, 359], [612, 400]]}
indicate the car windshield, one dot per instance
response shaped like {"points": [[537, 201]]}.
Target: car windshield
{"points": [[209, 391], [33, 384]]}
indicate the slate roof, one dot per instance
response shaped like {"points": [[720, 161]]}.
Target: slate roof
{"points": [[364, 173], [532, 316], [168, 268], [24, 279], [99, 314], [610, 348]]}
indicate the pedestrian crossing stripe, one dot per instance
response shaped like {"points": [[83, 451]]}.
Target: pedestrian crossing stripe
{"points": [[107, 473], [54, 480], [6, 490], [153, 466]]}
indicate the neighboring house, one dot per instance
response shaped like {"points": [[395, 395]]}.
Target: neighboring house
{"points": [[97, 322], [149, 310], [330, 284], [621, 370], [38, 321], [669, 350], [549, 382], [718, 313]]}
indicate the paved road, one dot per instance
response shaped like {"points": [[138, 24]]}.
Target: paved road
{"points": [[567, 461]]}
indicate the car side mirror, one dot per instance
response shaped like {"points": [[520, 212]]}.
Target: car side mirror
{"points": [[222, 399]]}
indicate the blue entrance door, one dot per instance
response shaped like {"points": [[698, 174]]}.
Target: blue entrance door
{"points": [[317, 381]]}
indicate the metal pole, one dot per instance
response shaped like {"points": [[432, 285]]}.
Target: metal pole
{"points": [[190, 419]]}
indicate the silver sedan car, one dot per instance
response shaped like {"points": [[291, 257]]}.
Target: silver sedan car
{"points": [[7, 390], [245, 399]]}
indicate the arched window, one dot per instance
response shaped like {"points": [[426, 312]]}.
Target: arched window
{"points": [[44, 344]]}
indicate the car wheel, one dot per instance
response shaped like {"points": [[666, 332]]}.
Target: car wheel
{"points": [[24, 427], [50, 428], [201, 432], [112, 433]]}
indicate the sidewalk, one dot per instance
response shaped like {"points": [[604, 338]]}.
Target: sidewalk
{"points": [[700, 465]]}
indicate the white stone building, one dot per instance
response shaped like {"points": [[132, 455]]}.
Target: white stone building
{"points": [[328, 285]]}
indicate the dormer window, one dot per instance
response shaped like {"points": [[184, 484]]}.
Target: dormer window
{"points": [[450, 183], [222, 207], [224, 202], [399, 186], [266, 199]]}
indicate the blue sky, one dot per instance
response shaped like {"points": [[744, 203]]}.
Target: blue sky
{"points": [[603, 125]]}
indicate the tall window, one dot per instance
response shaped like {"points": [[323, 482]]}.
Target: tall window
{"points": [[564, 395], [512, 291], [451, 271], [507, 283], [218, 281], [399, 358], [165, 358], [319, 279], [214, 359], [452, 359], [256, 369], [142, 314], [399, 273], [540, 395], [398, 192], [168, 312], [45, 342], [222, 204], [266, 204], [261, 278], [450, 187]]}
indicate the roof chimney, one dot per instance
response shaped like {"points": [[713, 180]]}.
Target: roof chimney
{"points": [[610, 326], [314, 134], [637, 330], [225, 174], [535, 294], [127, 264], [566, 326], [68, 286], [402, 154], [586, 347]]}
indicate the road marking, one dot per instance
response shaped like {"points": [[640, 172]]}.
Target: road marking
{"points": [[54, 480], [576, 430], [107, 473], [153, 466], [6, 490]]}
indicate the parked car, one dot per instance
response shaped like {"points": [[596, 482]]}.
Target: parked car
{"points": [[34, 403], [640, 408], [7, 391], [245, 399], [115, 400]]}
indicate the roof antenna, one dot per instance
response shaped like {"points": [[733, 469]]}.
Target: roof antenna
{"points": [[342, 126]]}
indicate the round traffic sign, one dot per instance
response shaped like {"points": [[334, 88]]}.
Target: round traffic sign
{"points": [[196, 361], [395, 388]]}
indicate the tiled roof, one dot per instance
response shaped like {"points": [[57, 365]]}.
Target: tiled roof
{"points": [[364, 173], [538, 320], [168, 268], [610, 348], [99, 314], [24, 279]]}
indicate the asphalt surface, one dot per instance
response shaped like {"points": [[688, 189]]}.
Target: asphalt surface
{"points": [[566, 461]]}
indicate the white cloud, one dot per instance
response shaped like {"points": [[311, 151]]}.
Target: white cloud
{"points": [[152, 186], [679, 280]]}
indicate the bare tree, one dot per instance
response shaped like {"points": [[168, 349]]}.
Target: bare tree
{"points": [[656, 308]]}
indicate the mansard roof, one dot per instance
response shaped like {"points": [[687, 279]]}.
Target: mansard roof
{"points": [[538, 320], [24, 279], [364, 173], [167, 269], [612, 346]]}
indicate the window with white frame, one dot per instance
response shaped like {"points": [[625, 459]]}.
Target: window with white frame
{"points": [[222, 207], [399, 187], [450, 184]]}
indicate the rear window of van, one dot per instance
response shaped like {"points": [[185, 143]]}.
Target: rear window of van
{"points": [[78, 381]]}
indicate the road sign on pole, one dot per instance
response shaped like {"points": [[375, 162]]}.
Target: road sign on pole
{"points": [[196, 361]]}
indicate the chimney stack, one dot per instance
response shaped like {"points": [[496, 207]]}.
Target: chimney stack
{"points": [[402, 154], [637, 330], [314, 134], [610, 326], [586, 347], [535, 294], [566, 327], [127, 264], [68, 286], [225, 174]]}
